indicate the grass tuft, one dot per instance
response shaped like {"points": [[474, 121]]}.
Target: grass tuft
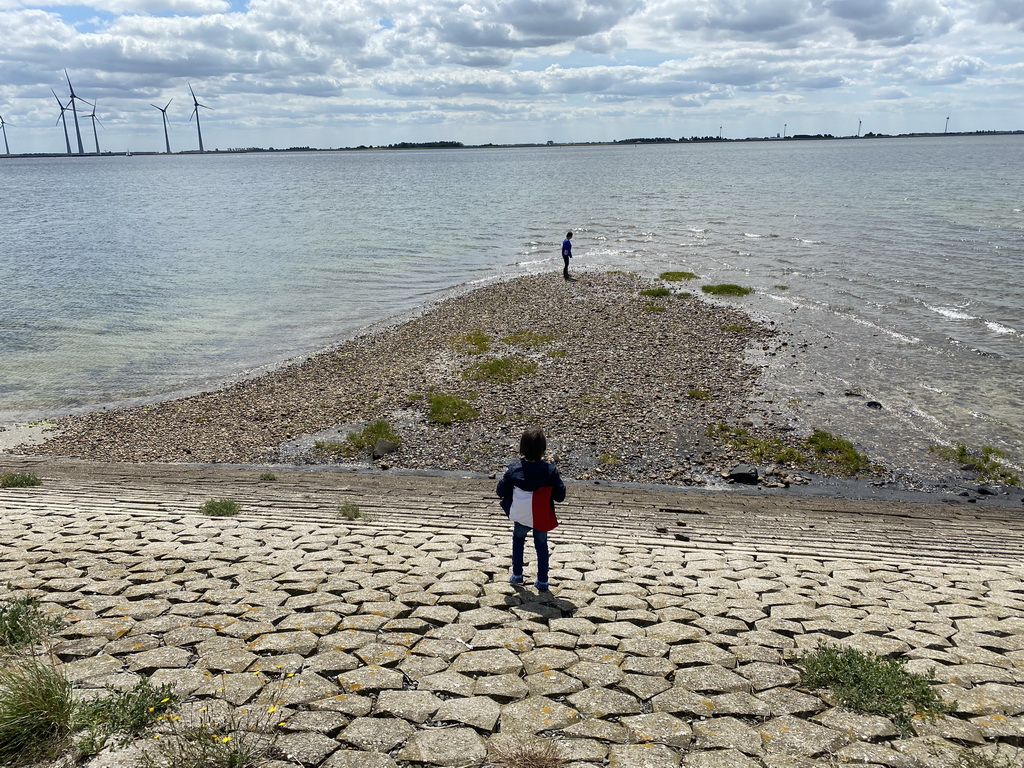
{"points": [[520, 753], [268, 477], [770, 450], [654, 308], [476, 342], [19, 480], [984, 462], [36, 710], [675, 277], [656, 292], [204, 740], [359, 443], [349, 510], [867, 682], [447, 409], [528, 339], [123, 715], [23, 623], [501, 369], [726, 289], [221, 508], [839, 452], [698, 394]]}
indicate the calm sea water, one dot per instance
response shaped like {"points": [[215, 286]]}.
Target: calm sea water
{"points": [[902, 261]]}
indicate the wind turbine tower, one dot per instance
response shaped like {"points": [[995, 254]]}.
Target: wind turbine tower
{"points": [[62, 119], [95, 120], [3, 127], [167, 141], [195, 112], [74, 111]]}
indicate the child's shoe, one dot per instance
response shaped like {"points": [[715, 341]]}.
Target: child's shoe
{"points": [[542, 586], [515, 579]]}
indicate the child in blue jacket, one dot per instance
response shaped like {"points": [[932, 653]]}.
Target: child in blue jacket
{"points": [[528, 491]]}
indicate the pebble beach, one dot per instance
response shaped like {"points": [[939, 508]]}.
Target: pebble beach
{"points": [[624, 384]]}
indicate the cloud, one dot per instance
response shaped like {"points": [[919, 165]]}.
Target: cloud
{"points": [[892, 22]]}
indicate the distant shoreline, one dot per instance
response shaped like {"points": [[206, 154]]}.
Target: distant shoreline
{"points": [[448, 146]]}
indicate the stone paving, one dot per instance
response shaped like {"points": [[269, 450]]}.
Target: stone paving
{"points": [[397, 641]]}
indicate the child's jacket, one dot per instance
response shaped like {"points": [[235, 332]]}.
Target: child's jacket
{"points": [[529, 490]]}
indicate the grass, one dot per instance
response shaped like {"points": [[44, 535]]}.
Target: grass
{"points": [[698, 394], [221, 508], [23, 623], [36, 710], [268, 477], [726, 289], [522, 753], [781, 287], [19, 480], [204, 740], [476, 342], [838, 452], [867, 682], [609, 459], [984, 462], [443, 408], [656, 292], [349, 510], [557, 353], [122, 716], [770, 450], [528, 339], [654, 308], [500, 369], [675, 277], [359, 443]]}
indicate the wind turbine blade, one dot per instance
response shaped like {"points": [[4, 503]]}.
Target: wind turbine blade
{"points": [[154, 106], [168, 103]]}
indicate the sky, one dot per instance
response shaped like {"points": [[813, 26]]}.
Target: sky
{"points": [[342, 73]]}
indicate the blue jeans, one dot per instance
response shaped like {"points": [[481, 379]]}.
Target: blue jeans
{"points": [[540, 543]]}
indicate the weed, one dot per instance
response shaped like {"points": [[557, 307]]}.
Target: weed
{"points": [[609, 459], [987, 757], [36, 710], [838, 452], [501, 369], [654, 308], [476, 342], [528, 339], [350, 511], [770, 450], [984, 461], [123, 714], [733, 328], [726, 289], [268, 477], [520, 753], [415, 397], [684, 294], [23, 623], [867, 682], [557, 353], [204, 740], [358, 443], [448, 409], [781, 287], [656, 292], [221, 508], [19, 480], [698, 394], [677, 276]]}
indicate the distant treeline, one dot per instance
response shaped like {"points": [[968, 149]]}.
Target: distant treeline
{"points": [[425, 145]]}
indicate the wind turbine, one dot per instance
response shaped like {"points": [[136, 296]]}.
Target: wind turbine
{"points": [[163, 110], [74, 111], [95, 120], [3, 127], [195, 112], [62, 119]]}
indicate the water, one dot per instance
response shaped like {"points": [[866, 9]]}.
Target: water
{"points": [[903, 261]]}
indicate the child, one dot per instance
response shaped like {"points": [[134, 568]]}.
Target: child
{"points": [[528, 494]]}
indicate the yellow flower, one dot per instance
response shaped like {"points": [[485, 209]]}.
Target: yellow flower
{"points": [[272, 709], [225, 740]]}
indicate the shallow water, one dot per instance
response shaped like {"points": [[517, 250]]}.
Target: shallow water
{"points": [[903, 262]]}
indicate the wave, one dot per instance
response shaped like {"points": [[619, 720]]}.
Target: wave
{"points": [[952, 314], [1001, 329]]}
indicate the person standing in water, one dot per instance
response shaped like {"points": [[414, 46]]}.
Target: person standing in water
{"points": [[566, 254]]}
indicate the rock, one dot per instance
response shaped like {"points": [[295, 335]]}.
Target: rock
{"points": [[447, 747], [743, 473], [383, 447]]}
